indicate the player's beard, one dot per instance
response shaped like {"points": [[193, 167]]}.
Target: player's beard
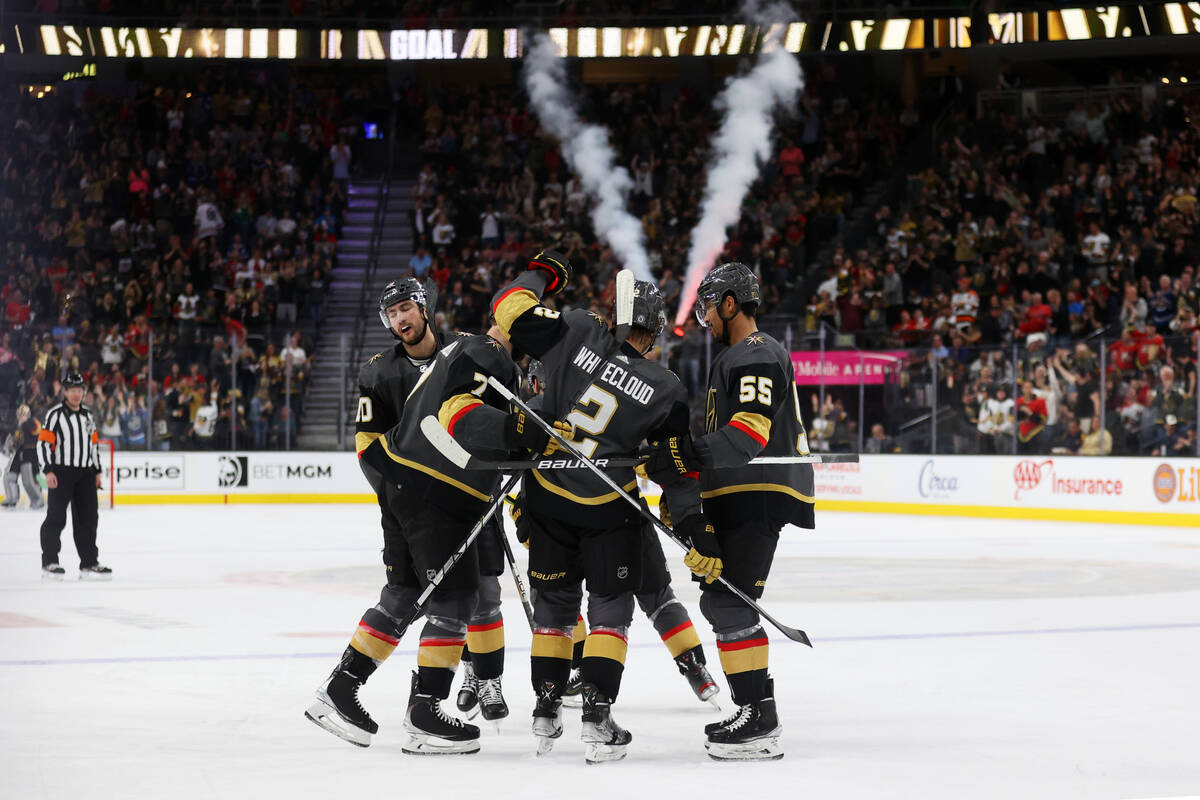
{"points": [[420, 337]]}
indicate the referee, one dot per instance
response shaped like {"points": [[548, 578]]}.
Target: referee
{"points": [[68, 452]]}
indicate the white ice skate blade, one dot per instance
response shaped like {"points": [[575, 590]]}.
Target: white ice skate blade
{"points": [[598, 753], [50, 576], [545, 743], [92, 576], [572, 701], [765, 749], [419, 744], [327, 717]]}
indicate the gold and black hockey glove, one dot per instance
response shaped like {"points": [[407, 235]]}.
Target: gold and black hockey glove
{"points": [[704, 557], [673, 458]]}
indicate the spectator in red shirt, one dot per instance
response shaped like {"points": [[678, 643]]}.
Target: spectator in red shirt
{"points": [[1032, 413], [16, 311], [1037, 317], [1151, 349], [1123, 353]]}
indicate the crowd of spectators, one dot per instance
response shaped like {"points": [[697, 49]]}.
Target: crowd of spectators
{"points": [[163, 226], [1027, 249], [493, 187]]}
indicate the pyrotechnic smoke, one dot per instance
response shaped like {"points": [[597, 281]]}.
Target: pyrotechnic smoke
{"points": [[588, 152], [742, 144]]}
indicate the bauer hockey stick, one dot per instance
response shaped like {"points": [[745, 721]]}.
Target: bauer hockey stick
{"points": [[418, 605], [795, 634], [448, 446]]}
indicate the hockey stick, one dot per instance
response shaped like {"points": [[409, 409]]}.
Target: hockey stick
{"points": [[516, 574], [795, 634], [419, 604], [448, 446]]}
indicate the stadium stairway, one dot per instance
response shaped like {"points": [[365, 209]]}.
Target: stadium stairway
{"points": [[346, 305]]}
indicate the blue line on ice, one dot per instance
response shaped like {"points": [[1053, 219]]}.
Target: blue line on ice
{"points": [[40, 662]]}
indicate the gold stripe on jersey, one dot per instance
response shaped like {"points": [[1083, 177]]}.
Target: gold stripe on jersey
{"points": [[363, 439], [512, 305], [454, 407], [574, 498], [433, 473], [755, 422], [757, 487]]}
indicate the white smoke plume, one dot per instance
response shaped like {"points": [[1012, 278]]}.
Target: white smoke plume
{"points": [[742, 145], [589, 154]]}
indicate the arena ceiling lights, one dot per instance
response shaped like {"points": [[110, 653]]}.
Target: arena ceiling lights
{"points": [[1071, 24]]}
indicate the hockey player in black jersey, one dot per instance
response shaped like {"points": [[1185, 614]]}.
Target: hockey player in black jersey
{"points": [[385, 382], [579, 530], [654, 597], [751, 410]]}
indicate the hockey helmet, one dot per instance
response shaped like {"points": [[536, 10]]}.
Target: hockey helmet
{"points": [[72, 380], [649, 308], [398, 292], [732, 278]]}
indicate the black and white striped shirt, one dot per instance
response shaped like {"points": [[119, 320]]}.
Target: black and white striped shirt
{"points": [[69, 439]]}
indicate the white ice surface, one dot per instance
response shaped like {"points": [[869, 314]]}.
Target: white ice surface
{"points": [[953, 659]]}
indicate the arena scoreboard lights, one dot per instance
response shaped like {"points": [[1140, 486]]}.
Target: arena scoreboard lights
{"points": [[1072, 24]]}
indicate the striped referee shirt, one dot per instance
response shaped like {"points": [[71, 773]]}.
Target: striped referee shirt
{"points": [[69, 439]]}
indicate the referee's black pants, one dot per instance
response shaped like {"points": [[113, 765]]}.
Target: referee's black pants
{"points": [[76, 488]]}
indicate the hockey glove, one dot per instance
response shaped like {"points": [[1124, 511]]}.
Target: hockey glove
{"points": [[556, 268], [522, 433], [672, 459], [564, 429], [517, 511], [704, 558]]}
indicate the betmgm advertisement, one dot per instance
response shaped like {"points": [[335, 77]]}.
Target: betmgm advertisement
{"points": [[232, 477]]}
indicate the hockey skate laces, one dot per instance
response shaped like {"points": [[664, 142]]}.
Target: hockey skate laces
{"points": [[739, 719], [455, 721], [489, 691]]}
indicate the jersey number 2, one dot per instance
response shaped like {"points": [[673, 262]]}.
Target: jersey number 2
{"points": [[595, 423]]}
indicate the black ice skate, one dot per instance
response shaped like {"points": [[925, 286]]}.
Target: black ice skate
{"points": [[433, 732], [751, 734], [53, 572], [547, 716], [698, 677], [468, 693], [96, 572], [605, 739], [491, 700], [572, 697], [338, 710]]}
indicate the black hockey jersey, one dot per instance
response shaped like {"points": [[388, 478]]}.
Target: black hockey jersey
{"points": [[627, 400], [752, 409], [384, 383], [454, 389]]}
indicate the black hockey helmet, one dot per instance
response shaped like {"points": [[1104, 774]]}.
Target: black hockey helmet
{"points": [[649, 308], [398, 292], [72, 380], [733, 278]]}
